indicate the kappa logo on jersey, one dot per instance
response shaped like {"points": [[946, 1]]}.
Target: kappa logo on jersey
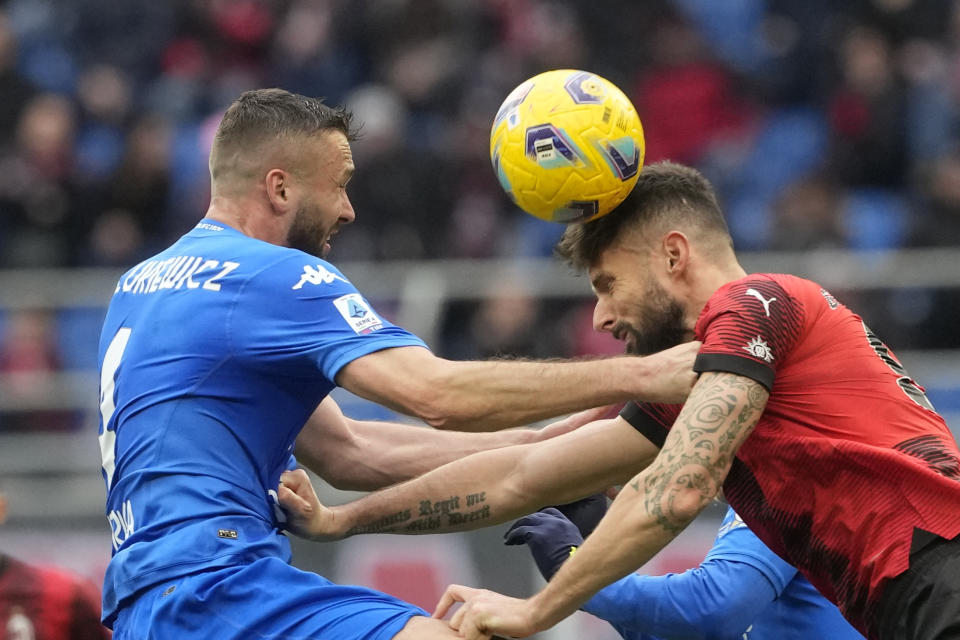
{"points": [[763, 301], [358, 313], [317, 275], [759, 349]]}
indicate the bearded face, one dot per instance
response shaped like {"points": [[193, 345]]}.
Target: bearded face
{"points": [[653, 324], [308, 232]]}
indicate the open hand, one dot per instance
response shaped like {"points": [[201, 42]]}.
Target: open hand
{"points": [[485, 613]]}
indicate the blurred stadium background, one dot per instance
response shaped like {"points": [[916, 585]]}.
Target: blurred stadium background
{"points": [[831, 131]]}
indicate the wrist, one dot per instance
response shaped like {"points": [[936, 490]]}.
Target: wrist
{"points": [[539, 612], [333, 524], [638, 379]]}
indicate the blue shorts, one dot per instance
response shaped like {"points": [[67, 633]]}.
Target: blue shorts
{"points": [[265, 599]]}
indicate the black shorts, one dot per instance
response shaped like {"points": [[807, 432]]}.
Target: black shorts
{"points": [[923, 602]]}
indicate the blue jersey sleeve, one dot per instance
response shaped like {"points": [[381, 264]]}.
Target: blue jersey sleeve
{"points": [[736, 542], [303, 313], [719, 599], [716, 600]]}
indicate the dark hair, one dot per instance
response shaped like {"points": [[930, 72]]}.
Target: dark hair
{"points": [[666, 194], [271, 114]]}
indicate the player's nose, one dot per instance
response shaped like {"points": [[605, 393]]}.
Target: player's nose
{"points": [[603, 317], [347, 214]]}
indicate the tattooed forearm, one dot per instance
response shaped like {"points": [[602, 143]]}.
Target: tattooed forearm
{"points": [[696, 456], [431, 516], [388, 523]]}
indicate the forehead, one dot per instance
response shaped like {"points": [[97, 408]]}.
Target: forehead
{"points": [[333, 148], [616, 261]]}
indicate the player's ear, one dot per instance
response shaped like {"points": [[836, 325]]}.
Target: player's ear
{"points": [[676, 252], [277, 183]]}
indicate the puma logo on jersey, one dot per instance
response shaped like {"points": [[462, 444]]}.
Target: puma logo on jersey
{"points": [[318, 275], [763, 301]]}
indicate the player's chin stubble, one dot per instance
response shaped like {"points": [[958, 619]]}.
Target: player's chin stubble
{"points": [[306, 234], [661, 326]]}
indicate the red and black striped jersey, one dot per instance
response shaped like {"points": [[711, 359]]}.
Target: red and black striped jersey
{"points": [[849, 465], [42, 603]]}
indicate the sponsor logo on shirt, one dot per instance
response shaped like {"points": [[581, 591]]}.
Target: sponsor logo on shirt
{"points": [[358, 313], [316, 275], [759, 349], [764, 301]]}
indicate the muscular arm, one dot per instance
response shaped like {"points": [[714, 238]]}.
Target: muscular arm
{"points": [[488, 395], [664, 498], [494, 486], [364, 455]]}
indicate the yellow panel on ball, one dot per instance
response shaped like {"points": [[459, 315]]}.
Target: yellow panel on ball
{"points": [[567, 146]]}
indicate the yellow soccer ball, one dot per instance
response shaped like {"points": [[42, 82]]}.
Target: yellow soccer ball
{"points": [[567, 146]]}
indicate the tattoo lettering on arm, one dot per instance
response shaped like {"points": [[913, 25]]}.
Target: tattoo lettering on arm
{"points": [[431, 515], [696, 456], [387, 524]]}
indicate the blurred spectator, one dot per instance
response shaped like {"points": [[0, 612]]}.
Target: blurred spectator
{"points": [[939, 222], [46, 603], [28, 358], [808, 215], [35, 198], [508, 322], [14, 88], [687, 100], [867, 114]]}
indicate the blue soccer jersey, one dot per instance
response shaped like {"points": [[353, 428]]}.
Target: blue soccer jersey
{"points": [[741, 591], [213, 355]]}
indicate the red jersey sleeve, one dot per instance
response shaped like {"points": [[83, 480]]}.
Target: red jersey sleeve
{"points": [[748, 327], [653, 421]]}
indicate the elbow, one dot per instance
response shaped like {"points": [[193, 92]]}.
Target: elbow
{"points": [[430, 398], [433, 406], [686, 503]]}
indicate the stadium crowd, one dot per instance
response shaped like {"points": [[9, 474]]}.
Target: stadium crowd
{"points": [[822, 125]]}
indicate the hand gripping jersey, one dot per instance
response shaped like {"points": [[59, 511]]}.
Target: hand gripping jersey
{"points": [[213, 354], [850, 466]]}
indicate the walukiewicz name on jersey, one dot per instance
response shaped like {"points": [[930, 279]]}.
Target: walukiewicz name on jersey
{"points": [[175, 273]]}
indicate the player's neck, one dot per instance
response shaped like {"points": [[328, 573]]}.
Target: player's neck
{"points": [[247, 217], [715, 277]]}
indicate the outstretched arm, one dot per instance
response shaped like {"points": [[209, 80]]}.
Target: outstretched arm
{"points": [[482, 489], [365, 455], [720, 598], [651, 510], [490, 395]]}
